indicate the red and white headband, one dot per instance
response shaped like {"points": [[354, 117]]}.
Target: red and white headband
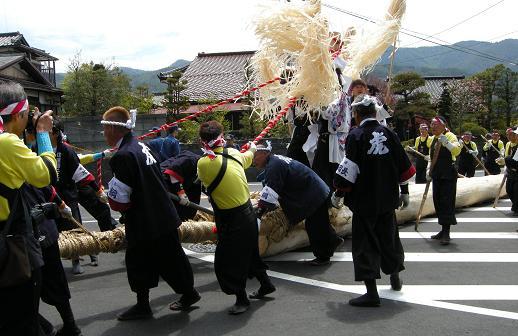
{"points": [[13, 109], [215, 143], [439, 120]]}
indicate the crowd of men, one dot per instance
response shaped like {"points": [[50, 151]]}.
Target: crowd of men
{"points": [[345, 155]]}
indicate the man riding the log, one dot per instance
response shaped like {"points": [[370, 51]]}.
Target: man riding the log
{"points": [[137, 190], [444, 149]]}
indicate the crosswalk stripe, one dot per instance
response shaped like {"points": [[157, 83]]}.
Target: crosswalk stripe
{"points": [[461, 235], [476, 220], [485, 209], [410, 293], [411, 257]]}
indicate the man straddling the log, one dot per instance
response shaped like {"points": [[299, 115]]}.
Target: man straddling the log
{"points": [[493, 149], [511, 164], [180, 175], [444, 176], [302, 195], [222, 173], [466, 159], [137, 190], [370, 178], [422, 145]]}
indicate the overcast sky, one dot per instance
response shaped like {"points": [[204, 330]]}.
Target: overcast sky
{"points": [[152, 34]]}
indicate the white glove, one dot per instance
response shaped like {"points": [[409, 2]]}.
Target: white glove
{"points": [[500, 161], [443, 139], [427, 158], [404, 201], [428, 177], [102, 196], [65, 211], [108, 153], [337, 202], [184, 200], [408, 149], [252, 147], [472, 152]]}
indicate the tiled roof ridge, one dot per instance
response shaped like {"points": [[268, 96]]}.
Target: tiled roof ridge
{"points": [[17, 33], [214, 74], [226, 53]]}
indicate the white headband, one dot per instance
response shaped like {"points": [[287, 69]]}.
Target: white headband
{"points": [[268, 147], [366, 101], [130, 124]]}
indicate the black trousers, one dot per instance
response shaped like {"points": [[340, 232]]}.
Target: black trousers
{"points": [[99, 210], [376, 245], [19, 307], [295, 151], [165, 257], [467, 170], [492, 167], [237, 253], [420, 171], [325, 170], [54, 288], [511, 187], [321, 234], [444, 194]]}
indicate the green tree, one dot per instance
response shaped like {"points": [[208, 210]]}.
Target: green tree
{"points": [[413, 102], [174, 100], [445, 102], [140, 99], [507, 92], [488, 79], [90, 89], [190, 129], [252, 125]]}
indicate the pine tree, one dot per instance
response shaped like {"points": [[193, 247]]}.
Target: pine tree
{"points": [[445, 102]]}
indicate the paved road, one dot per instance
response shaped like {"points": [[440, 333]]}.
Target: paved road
{"points": [[467, 288]]}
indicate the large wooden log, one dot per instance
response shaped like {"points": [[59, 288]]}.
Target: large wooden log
{"points": [[275, 235], [470, 191]]}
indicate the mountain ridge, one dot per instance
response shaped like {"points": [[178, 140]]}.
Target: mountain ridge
{"points": [[427, 61]]}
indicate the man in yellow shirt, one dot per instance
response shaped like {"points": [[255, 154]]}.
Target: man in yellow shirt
{"points": [[444, 176], [468, 153], [19, 165], [422, 145], [493, 151], [237, 254]]}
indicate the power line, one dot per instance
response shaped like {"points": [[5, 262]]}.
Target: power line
{"points": [[449, 52], [459, 23], [412, 34]]}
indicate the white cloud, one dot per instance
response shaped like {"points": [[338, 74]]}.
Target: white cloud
{"points": [[151, 35]]}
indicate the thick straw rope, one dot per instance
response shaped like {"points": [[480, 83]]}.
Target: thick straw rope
{"points": [[82, 242]]}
